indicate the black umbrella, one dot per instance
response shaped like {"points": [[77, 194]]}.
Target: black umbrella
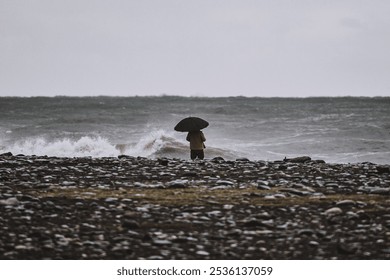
{"points": [[191, 124]]}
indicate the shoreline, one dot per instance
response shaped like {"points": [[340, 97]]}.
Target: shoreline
{"points": [[137, 208]]}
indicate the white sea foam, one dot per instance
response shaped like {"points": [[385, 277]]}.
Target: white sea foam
{"points": [[158, 143], [155, 143], [98, 146], [85, 146]]}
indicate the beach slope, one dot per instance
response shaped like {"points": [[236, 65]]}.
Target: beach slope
{"points": [[138, 208]]}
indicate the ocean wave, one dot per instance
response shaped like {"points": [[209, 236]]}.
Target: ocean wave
{"points": [[155, 144], [85, 146], [161, 143]]}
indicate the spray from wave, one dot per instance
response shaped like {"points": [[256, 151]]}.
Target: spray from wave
{"points": [[155, 144], [85, 146]]}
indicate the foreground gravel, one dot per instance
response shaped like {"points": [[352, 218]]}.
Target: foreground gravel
{"points": [[138, 208]]}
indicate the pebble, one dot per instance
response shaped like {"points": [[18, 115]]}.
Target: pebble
{"points": [[225, 183], [161, 242], [130, 224], [346, 202], [293, 209], [177, 184], [9, 201], [333, 211]]}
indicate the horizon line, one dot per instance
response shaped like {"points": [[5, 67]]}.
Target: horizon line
{"points": [[192, 96]]}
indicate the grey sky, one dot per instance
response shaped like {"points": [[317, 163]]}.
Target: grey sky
{"points": [[195, 47]]}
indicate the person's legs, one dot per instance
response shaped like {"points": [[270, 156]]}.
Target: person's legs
{"points": [[193, 154], [197, 154], [201, 154]]}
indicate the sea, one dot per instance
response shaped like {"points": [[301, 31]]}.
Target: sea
{"points": [[334, 129]]}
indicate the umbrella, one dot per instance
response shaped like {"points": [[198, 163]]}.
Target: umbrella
{"points": [[191, 124]]}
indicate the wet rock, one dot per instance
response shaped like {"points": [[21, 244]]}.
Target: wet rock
{"points": [[217, 159], [298, 159], [125, 157], [242, 160]]}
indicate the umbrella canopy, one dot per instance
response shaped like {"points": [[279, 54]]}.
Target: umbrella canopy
{"points": [[191, 124]]}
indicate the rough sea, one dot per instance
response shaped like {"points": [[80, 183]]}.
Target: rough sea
{"points": [[337, 130]]}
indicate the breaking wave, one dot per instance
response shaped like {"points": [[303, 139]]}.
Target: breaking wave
{"points": [[85, 146], [155, 144]]}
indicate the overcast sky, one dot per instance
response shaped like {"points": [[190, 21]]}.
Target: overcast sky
{"points": [[195, 47]]}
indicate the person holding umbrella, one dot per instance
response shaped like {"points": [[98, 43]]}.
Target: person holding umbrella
{"points": [[196, 139], [195, 136]]}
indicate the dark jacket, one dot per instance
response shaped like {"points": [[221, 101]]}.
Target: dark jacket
{"points": [[196, 139]]}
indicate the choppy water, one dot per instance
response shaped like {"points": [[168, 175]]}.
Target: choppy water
{"points": [[334, 129]]}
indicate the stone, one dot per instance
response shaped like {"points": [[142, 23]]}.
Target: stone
{"points": [[163, 161], [125, 157], [225, 183], [217, 159], [346, 202], [160, 242], [177, 184], [381, 169], [298, 159], [306, 231], [10, 201], [254, 223], [243, 159], [378, 190], [333, 211], [107, 215], [130, 224]]}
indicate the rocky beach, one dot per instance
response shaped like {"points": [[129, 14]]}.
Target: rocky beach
{"points": [[138, 208]]}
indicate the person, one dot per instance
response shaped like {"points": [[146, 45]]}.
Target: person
{"points": [[196, 139]]}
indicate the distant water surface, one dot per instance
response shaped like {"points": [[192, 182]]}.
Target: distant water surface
{"points": [[339, 130]]}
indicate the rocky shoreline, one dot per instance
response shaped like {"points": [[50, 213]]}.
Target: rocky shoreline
{"points": [[139, 208]]}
